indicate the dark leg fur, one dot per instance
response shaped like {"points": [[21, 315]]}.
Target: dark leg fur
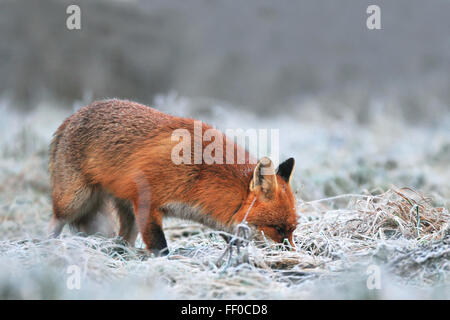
{"points": [[128, 228], [152, 233]]}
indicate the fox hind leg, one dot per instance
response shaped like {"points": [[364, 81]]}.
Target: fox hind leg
{"points": [[128, 227], [99, 216], [69, 203], [77, 206]]}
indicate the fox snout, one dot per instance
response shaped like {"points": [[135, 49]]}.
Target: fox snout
{"points": [[274, 212], [278, 235]]}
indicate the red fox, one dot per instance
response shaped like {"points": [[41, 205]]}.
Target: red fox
{"points": [[121, 151]]}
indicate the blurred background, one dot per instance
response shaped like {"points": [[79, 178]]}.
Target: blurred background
{"points": [[260, 55], [360, 109]]}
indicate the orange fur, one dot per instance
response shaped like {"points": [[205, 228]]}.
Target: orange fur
{"points": [[121, 150]]}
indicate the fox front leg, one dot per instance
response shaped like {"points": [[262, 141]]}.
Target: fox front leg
{"points": [[152, 233]]}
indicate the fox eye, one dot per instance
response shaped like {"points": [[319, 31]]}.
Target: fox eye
{"points": [[279, 230]]}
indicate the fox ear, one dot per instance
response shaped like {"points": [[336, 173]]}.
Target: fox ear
{"points": [[264, 178], [286, 169]]}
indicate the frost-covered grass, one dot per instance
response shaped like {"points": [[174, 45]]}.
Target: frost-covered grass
{"points": [[354, 214]]}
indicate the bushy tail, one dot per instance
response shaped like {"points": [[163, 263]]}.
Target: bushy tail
{"points": [[54, 146]]}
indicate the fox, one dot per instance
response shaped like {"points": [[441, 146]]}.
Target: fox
{"points": [[120, 152]]}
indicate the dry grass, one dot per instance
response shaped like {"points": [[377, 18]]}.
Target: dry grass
{"points": [[400, 230], [330, 243]]}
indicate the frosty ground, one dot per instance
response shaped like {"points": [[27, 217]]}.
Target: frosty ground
{"points": [[372, 195]]}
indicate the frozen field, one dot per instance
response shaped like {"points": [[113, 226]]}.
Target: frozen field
{"points": [[373, 196]]}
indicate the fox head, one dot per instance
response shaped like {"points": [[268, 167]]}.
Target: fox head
{"points": [[274, 211]]}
